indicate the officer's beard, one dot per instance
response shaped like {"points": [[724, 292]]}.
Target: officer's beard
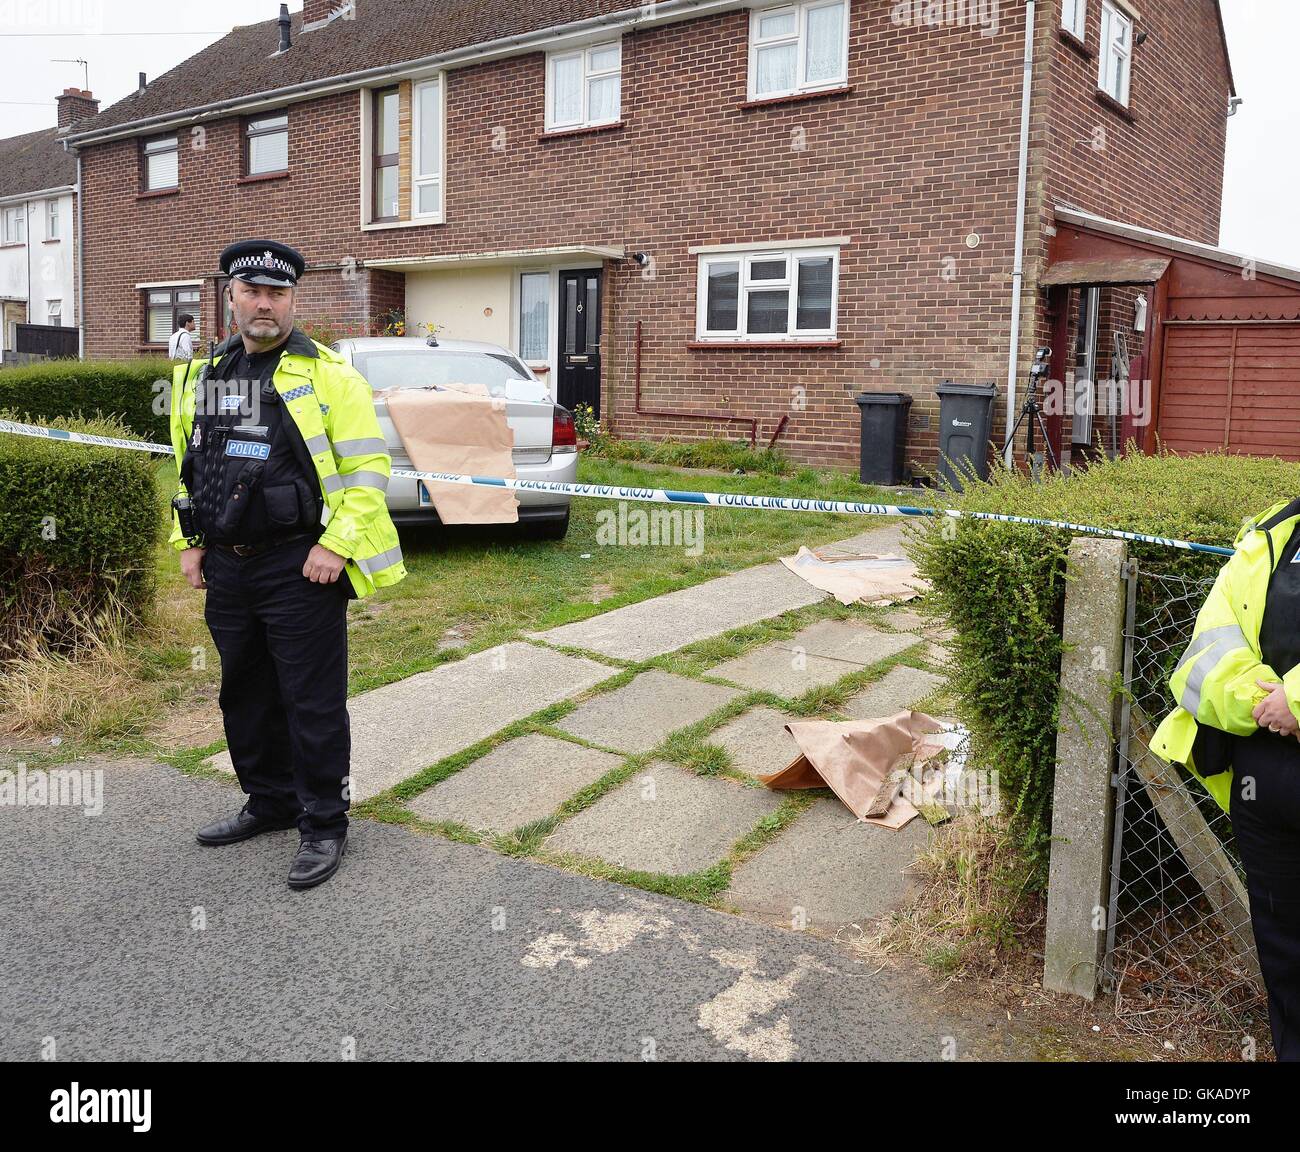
{"points": [[264, 331]]}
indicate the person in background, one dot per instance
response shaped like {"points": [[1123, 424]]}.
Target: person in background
{"points": [[181, 344]]}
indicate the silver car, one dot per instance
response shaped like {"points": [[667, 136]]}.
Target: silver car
{"points": [[545, 448]]}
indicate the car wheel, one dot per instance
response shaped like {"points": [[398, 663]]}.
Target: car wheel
{"points": [[555, 529]]}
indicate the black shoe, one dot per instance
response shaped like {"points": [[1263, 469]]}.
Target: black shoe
{"points": [[243, 825], [316, 861]]}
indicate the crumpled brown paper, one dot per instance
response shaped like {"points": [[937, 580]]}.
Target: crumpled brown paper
{"points": [[458, 428], [854, 757], [864, 579]]}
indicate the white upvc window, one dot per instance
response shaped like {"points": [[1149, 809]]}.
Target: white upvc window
{"points": [[1074, 18], [161, 163], [52, 231], [15, 224], [1116, 55], [267, 149], [54, 313], [584, 86], [767, 294], [535, 316], [798, 48], [427, 137]]}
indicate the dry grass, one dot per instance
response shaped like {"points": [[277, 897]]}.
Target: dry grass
{"points": [[81, 686]]}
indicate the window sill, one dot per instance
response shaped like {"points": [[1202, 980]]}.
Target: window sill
{"points": [[385, 225], [1106, 100], [794, 97], [161, 349], [262, 177], [1070, 40], [560, 133], [16, 244], [158, 192], [765, 345], [56, 240]]}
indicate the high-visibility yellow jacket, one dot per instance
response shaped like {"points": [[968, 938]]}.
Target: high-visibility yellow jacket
{"points": [[333, 407], [1215, 681]]}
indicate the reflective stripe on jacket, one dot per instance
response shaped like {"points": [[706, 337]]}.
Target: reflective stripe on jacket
{"points": [[333, 408], [1214, 682]]}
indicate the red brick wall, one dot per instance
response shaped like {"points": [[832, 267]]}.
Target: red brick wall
{"points": [[1161, 165], [919, 154]]}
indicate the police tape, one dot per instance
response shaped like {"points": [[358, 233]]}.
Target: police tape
{"points": [[668, 495]]}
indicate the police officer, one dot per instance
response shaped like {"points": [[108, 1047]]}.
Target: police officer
{"points": [[1236, 727], [281, 516]]}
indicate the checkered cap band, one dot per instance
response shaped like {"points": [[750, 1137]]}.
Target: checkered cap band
{"points": [[263, 262]]}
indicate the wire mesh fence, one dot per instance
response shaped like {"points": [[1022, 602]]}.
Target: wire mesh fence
{"points": [[1179, 947]]}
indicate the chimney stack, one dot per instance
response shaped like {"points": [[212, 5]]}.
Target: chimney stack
{"points": [[314, 10], [76, 105], [285, 24], [144, 82]]}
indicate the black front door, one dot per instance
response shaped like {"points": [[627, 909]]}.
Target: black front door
{"points": [[579, 381]]}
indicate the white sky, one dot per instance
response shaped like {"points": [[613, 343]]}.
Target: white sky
{"points": [[121, 38]]}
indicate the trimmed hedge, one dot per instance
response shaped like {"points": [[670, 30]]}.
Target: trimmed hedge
{"points": [[78, 529], [90, 389], [1001, 587]]}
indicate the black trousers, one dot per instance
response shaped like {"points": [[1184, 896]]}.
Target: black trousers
{"points": [[1265, 811], [284, 676]]}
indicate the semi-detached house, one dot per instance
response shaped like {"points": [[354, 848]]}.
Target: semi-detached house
{"points": [[702, 217]]}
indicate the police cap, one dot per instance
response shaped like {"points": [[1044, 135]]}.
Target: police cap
{"points": [[263, 262]]}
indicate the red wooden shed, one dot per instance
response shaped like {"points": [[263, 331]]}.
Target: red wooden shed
{"points": [[1210, 337]]}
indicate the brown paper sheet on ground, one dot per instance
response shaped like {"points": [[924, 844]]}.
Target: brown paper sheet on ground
{"points": [[458, 429], [865, 579], [854, 757]]}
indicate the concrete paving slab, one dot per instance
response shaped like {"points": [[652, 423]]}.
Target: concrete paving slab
{"points": [[637, 716], [775, 669], [665, 819], [757, 740], [516, 783], [402, 728], [845, 640], [899, 688], [666, 623], [814, 657], [832, 867]]}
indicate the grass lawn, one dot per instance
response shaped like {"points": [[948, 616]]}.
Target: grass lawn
{"points": [[467, 589]]}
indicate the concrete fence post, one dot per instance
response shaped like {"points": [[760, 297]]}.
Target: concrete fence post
{"points": [[1082, 804]]}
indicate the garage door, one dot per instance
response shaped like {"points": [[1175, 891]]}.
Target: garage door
{"points": [[1232, 387]]}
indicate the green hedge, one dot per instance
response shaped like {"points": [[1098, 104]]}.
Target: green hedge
{"points": [[1001, 587], [87, 389], [78, 528]]}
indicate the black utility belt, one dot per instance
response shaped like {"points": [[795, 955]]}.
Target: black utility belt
{"points": [[264, 545]]}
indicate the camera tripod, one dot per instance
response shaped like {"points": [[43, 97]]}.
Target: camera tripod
{"points": [[1032, 410]]}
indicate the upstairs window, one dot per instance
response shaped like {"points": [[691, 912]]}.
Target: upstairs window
{"points": [[798, 48], [584, 88], [1116, 62], [1074, 18], [384, 154], [161, 162], [15, 225], [52, 229], [768, 295], [426, 159], [266, 144]]}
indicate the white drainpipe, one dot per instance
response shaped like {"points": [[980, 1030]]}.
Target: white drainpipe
{"points": [[79, 255], [1018, 271]]}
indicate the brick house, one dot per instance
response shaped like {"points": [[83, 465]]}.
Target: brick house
{"points": [[704, 217], [38, 197]]}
